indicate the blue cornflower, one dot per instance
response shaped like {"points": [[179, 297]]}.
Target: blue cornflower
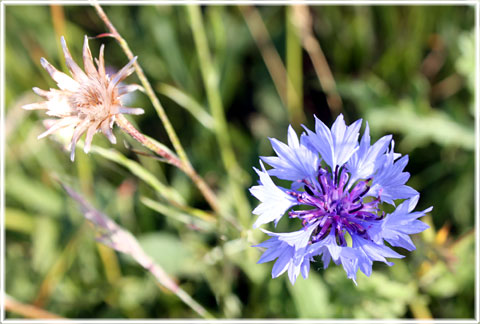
{"points": [[339, 185]]}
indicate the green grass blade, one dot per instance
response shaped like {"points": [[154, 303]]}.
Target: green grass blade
{"points": [[164, 191], [191, 218], [187, 102]]}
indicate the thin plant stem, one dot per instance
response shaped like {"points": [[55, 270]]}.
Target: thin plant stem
{"points": [[273, 61], [184, 163], [28, 311], [303, 21], [146, 84], [58, 22], [210, 79], [128, 128], [294, 65], [110, 264], [419, 309]]}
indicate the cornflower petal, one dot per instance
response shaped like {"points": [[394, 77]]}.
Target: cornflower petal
{"points": [[305, 267], [345, 140], [337, 145], [330, 250], [368, 251], [298, 239], [274, 200], [396, 226], [294, 162], [362, 163], [389, 182], [290, 251]]}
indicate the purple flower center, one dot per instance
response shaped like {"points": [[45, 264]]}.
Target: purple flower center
{"points": [[336, 206]]}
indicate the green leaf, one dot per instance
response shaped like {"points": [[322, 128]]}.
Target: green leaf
{"points": [[131, 292], [19, 221], [465, 63], [168, 251], [377, 296], [44, 243], [33, 194], [419, 128], [195, 217], [439, 281], [311, 297], [442, 281]]}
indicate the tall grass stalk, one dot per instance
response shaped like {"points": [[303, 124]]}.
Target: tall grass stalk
{"points": [[210, 79], [281, 79], [303, 21], [294, 70]]}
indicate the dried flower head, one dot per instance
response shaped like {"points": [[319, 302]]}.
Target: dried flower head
{"points": [[89, 101]]}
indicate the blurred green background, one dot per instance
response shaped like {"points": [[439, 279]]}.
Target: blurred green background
{"points": [[408, 70]]}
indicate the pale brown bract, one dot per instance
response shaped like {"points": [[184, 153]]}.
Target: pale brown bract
{"points": [[88, 101]]}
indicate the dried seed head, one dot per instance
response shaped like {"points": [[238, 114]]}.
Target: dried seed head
{"points": [[88, 101]]}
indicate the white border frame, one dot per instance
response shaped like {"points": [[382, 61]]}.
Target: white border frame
{"points": [[2, 161], [473, 3]]}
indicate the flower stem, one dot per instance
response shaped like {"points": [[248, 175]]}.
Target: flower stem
{"points": [[26, 310], [170, 158], [146, 84]]}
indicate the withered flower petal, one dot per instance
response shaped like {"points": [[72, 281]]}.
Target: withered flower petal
{"points": [[87, 101]]}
